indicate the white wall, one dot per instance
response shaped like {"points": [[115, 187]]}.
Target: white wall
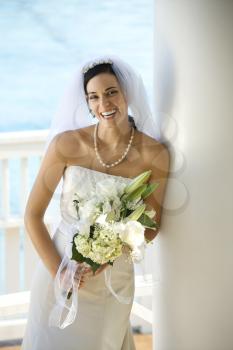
{"points": [[194, 96]]}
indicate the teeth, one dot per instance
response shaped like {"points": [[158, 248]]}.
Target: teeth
{"points": [[108, 113], [108, 116]]}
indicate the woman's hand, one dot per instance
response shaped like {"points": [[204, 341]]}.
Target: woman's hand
{"points": [[101, 268], [88, 274]]}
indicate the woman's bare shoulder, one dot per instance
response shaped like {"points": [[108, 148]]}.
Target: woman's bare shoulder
{"points": [[68, 143], [69, 136]]}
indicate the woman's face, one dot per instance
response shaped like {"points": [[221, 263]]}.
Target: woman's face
{"points": [[106, 100]]}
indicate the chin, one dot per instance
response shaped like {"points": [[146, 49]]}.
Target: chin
{"points": [[111, 121]]}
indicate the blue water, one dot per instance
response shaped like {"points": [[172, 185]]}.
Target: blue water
{"points": [[41, 44], [43, 41]]}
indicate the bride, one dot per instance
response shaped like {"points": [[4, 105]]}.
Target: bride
{"points": [[92, 138]]}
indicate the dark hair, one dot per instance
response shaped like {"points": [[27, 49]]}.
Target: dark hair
{"points": [[101, 68], [131, 120], [92, 72]]}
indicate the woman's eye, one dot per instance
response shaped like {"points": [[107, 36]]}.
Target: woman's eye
{"points": [[112, 92], [92, 97]]}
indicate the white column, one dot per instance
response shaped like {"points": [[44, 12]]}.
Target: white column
{"points": [[194, 97]]}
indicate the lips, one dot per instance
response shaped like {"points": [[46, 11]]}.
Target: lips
{"points": [[109, 114]]}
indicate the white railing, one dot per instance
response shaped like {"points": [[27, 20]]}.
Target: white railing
{"points": [[17, 146], [15, 301]]}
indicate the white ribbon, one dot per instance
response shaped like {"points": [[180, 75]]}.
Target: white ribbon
{"points": [[120, 298], [68, 279]]}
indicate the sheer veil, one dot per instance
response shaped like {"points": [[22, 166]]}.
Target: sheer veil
{"points": [[73, 112]]}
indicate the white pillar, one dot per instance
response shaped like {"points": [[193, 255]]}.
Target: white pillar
{"points": [[194, 95]]}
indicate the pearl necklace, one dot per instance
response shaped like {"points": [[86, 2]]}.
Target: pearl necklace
{"points": [[121, 158]]}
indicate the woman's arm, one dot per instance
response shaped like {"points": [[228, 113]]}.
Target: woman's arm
{"points": [[49, 175], [159, 163]]}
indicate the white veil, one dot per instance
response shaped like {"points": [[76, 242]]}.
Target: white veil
{"points": [[73, 112]]}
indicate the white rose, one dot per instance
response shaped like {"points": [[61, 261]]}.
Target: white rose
{"points": [[132, 233]]}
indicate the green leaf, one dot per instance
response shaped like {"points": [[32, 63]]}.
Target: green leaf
{"points": [[124, 212], [94, 266], [150, 189], [76, 255], [92, 230], [148, 222]]}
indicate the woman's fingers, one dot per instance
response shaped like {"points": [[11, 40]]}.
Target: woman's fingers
{"points": [[87, 272], [83, 278], [101, 268]]}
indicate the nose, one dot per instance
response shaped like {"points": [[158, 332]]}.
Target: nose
{"points": [[103, 103]]}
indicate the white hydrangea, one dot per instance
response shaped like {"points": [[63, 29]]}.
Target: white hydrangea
{"points": [[83, 245], [104, 247]]}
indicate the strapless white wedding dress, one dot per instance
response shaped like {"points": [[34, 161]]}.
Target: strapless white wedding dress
{"points": [[102, 322]]}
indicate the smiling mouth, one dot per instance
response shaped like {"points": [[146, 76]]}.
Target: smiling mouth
{"points": [[109, 114]]}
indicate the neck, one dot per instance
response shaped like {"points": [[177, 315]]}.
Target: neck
{"points": [[115, 135]]}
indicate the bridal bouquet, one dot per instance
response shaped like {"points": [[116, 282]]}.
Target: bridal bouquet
{"points": [[112, 220]]}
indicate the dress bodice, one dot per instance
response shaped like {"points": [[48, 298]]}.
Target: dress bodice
{"points": [[82, 180]]}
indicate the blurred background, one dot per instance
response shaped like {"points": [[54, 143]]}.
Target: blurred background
{"points": [[43, 41]]}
